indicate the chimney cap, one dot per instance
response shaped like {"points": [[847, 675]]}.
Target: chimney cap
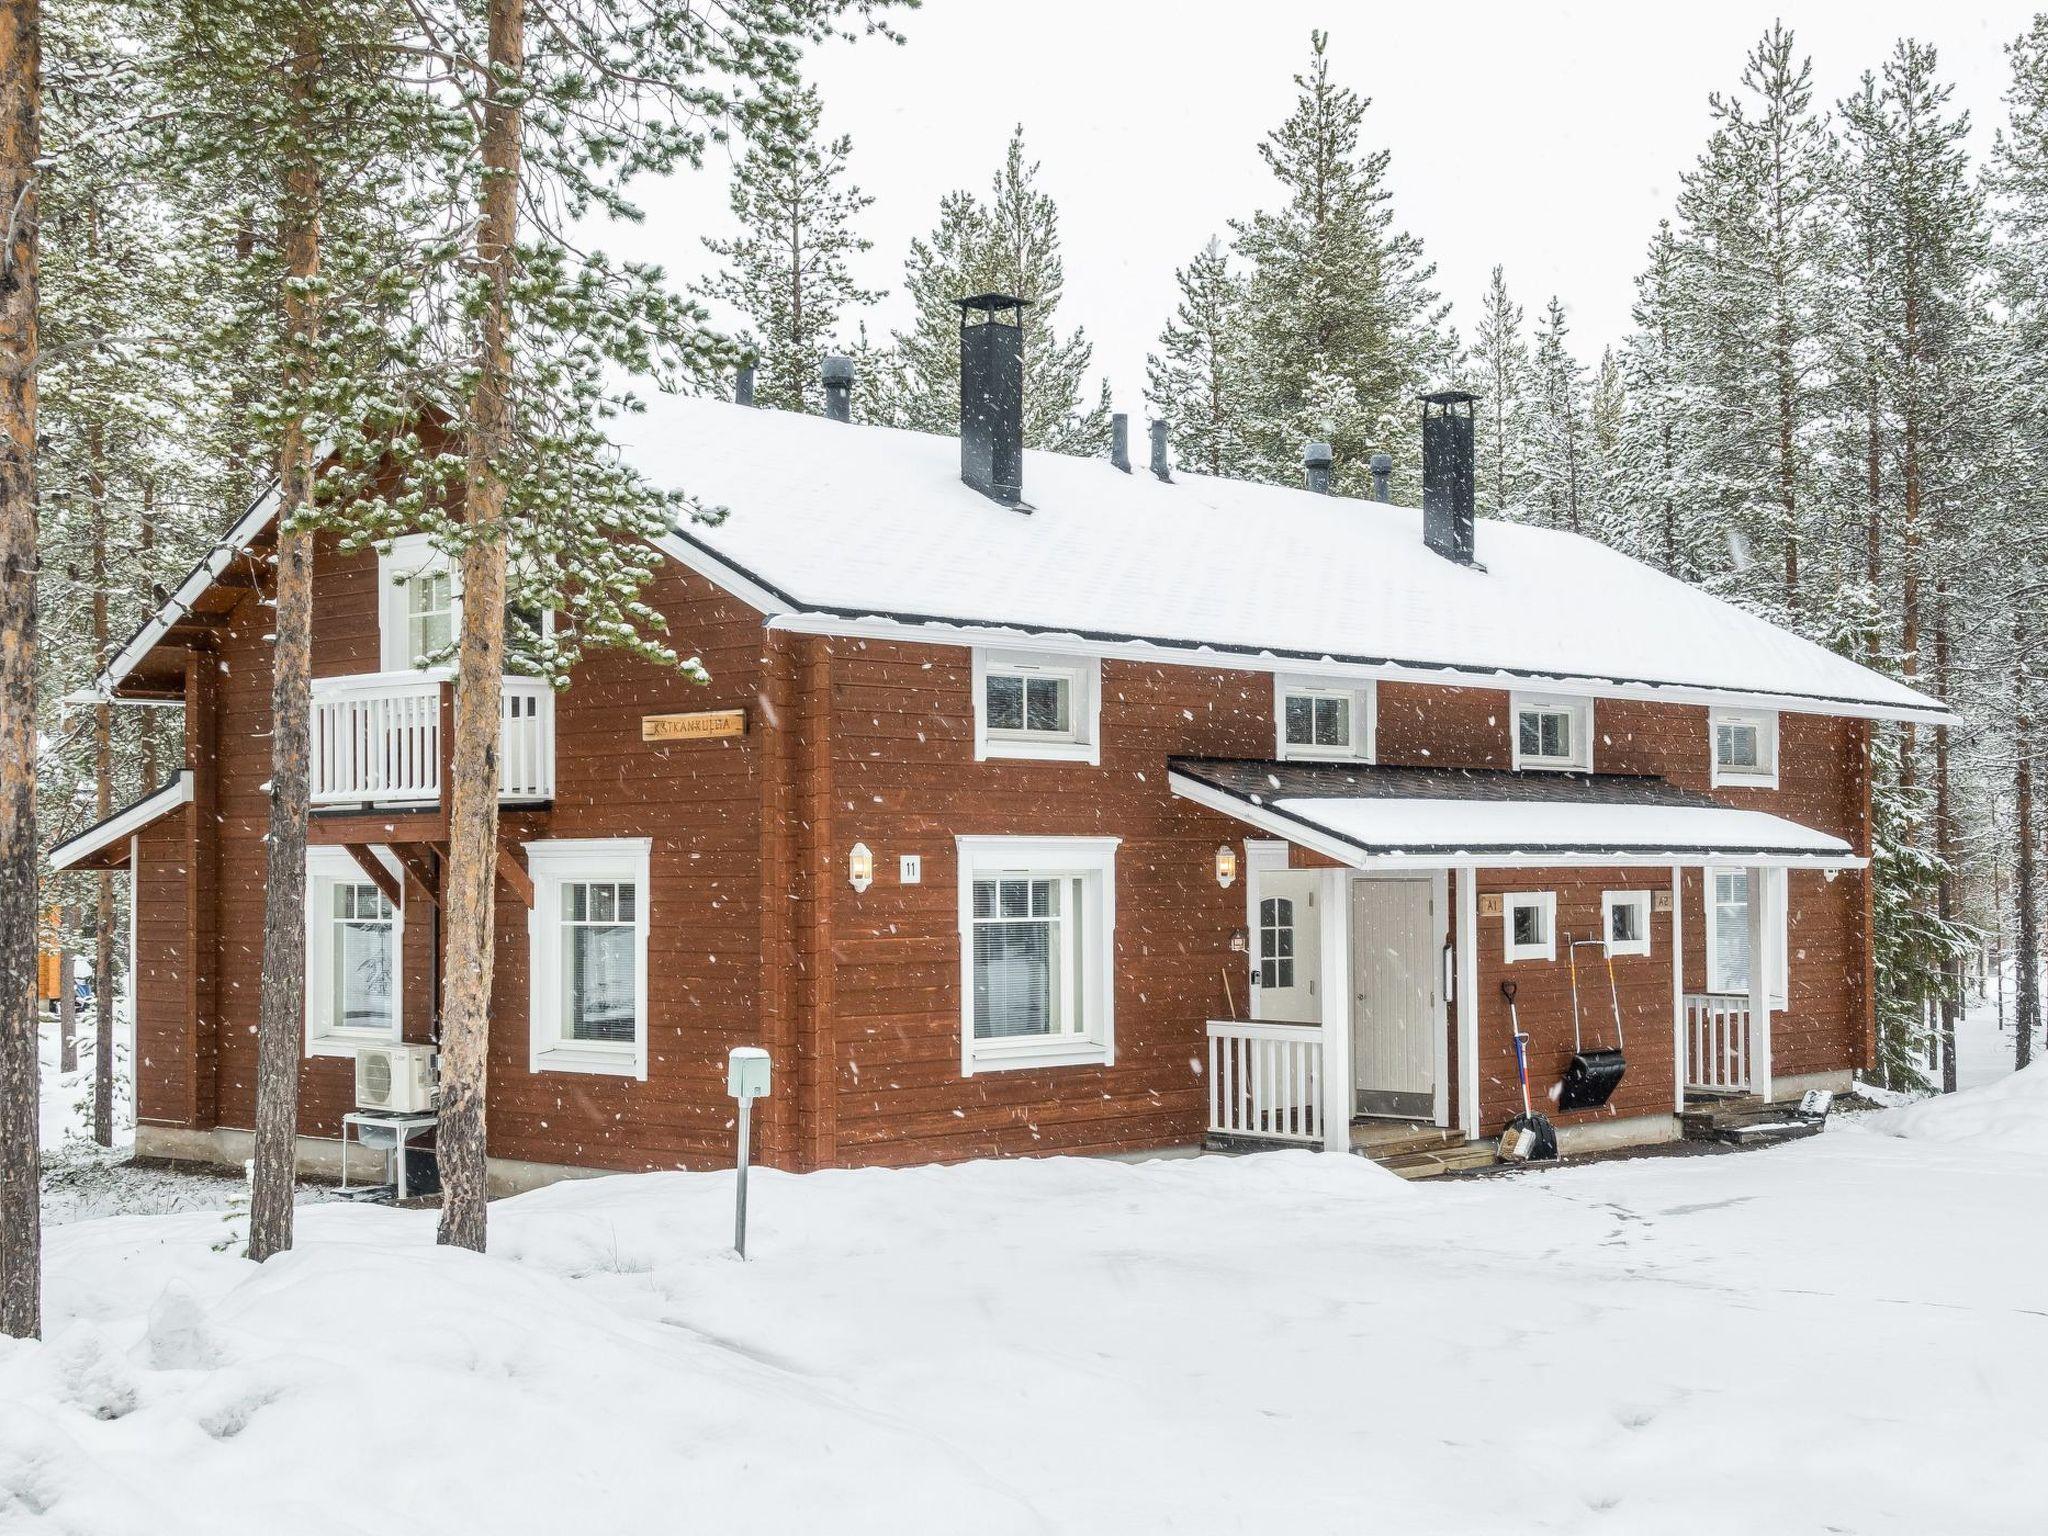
{"points": [[1383, 463], [1449, 397], [1318, 452], [837, 369], [990, 303]]}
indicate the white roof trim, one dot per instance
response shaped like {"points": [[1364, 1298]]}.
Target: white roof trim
{"points": [[123, 823], [1298, 826], [204, 574], [797, 620]]}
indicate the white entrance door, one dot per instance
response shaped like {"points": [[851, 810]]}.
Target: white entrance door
{"points": [[1288, 943], [1394, 982]]}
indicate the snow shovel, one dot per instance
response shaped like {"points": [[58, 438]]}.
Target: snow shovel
{"points": [[1529, 1135], [1591, 1079]]}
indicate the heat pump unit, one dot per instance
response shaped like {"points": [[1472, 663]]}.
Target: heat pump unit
{"points": [[398, 1079]]}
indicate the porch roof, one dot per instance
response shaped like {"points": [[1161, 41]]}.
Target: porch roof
{"points": [[105, 845], [1374, 817]]}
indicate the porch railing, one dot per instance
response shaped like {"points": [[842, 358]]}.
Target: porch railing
{"points": [[1717, 1043], [1266, 1081], [377, 739]]}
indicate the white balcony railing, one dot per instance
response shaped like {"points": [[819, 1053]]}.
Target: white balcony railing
{"points": [[1717, 1043], [377, 739], [1266, 1081]]}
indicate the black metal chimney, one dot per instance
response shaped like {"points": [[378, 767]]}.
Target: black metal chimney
{"points": [[1382, 476], [838, 375], [743, 386], [992, 395], [1120, 441], [1447, 474], [1159, 466], [1316, 459]]}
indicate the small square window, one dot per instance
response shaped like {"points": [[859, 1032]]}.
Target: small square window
{"points": [[1318, 721], [1745, 747], [1626, 915], [1029, 706], [1530, 920], [1553, 733]]}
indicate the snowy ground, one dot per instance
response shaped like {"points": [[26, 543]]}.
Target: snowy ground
{"points": [[1844, 1334]]}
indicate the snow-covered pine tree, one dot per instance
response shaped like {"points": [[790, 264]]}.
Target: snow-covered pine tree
{"points": [[1007, 244], [1343, 329], [1195, 381], [1501, 375], [1558, 431], [787, 272]]}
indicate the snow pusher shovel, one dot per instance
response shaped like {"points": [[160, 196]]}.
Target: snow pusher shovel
{"points": [[1593, 1076], [1529, 1135]]}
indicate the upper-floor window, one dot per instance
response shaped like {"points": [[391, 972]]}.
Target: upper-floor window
{"points": [[1553, 732], [1745, 747], [1315, 719], [420, 611], [1028, 705]]}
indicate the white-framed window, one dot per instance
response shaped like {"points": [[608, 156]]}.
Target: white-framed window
{"points": [[1037, 706], [587, 934], [1037, 937], [1625, 919], [1553, 731], [1744, 744], [1314, 719], [354, 955], [1529, 924], [420, 613], [1728, 932]]}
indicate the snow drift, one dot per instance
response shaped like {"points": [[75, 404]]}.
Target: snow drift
{"points": [[2009, 1114]]}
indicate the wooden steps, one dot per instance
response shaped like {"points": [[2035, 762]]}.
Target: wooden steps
{"points": [[1418, 1151], [1744, 1121]]}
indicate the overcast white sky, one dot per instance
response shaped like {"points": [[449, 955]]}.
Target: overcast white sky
{"points": [[1546, 137]]}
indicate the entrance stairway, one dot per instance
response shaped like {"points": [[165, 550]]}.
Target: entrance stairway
{"points": [[1742, 1120], [1418, 1151]]}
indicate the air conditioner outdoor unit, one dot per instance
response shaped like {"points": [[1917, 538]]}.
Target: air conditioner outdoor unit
{"points": [[399, 1079]]}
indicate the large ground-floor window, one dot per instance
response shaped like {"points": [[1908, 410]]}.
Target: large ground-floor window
{"points": [[588, 974], [1037, 916], [353, 933]]}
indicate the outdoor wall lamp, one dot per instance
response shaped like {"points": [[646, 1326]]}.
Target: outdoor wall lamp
{"points": [[860, 867], [1226, 865]]}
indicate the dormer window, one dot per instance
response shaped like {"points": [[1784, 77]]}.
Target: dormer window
{"points": [[1315, 719], [1038, 706], [1553, 733], [1745, 747]]}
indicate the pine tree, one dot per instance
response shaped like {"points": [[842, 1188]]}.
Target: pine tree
{"points": [[1195, 381], [1501, 377], [1342, 327], [787, 271], [1558, 432], [1008, 244]]}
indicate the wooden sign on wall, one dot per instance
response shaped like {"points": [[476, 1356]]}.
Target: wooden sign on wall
{"points": [[703, 725]]}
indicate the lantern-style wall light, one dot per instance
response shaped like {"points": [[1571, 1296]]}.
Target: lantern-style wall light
{"points": [[1226, 865], [860, 867]]}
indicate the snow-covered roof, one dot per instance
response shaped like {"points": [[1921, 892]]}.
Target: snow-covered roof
{"points": [[1372, 817], [836, 527], [104, 846]]}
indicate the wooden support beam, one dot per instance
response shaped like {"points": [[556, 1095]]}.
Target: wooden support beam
{"points": [[367, 860], [415, 859], [512, 870]]}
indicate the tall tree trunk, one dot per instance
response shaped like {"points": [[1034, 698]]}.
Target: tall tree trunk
{"points": [[1945, 844], [281, 1013], [2026, 1008], [103, 801], [21, 105], [471, 885]]}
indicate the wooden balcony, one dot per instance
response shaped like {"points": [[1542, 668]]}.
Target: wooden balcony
{"points": [[382, 741]]}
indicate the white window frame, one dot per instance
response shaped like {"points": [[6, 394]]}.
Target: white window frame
{"points": [[1765, 776], [1581, 711], [1082, 743], [1777, 933], [552, 863], [325, 869], [1546, 902], [1094, 860], [1364, 703], [1640, 902], [408, 556]]}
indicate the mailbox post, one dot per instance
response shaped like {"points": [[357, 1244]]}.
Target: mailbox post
{"points": [[746, 1079]]}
